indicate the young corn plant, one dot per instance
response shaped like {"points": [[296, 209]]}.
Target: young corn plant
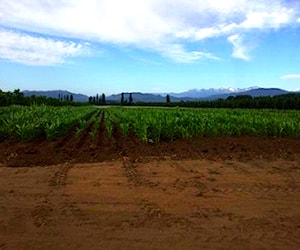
{"points": [[140, 129], [124, 128], [109, 128], [83, 123], [95, 127]]}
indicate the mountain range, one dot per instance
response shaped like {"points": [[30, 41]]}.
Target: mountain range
{"points": [[190, 95], [56, 94], [206, 93]]}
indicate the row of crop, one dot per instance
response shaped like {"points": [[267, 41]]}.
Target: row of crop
{"points": [[155, 124], [90, 126], [149, 124], [28, 123]]}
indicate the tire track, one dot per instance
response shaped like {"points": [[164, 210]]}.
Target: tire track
{"points": [[181, 185], [60, 176], [177, 166], [42, 212], [214, 213], [152, 213], [72, 209], [133, 177]]}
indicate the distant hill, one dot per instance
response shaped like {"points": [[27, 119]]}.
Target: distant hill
{"points": [[264, 92], [191, 95], [252, 92], [140, 97], [203, 93], [56, 93], [198, 95]]}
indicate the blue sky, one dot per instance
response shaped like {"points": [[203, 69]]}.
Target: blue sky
{"points": [[156, 46]]}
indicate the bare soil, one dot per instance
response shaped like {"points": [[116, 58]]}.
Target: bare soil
{"points": [[87, 149], [118, 193], [156, 204]]}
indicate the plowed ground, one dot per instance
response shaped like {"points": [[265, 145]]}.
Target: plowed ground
{"points": [[118, 193]]}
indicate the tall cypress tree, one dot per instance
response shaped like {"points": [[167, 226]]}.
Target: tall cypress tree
{"points": [[103, 99], [122, 98], [168, 99]]}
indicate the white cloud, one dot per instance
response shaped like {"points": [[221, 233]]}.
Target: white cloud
{"points": [[149, 24], [268, 19], [198, 34], [290, 77], [179, 54], [31, 50], [240, 50]]}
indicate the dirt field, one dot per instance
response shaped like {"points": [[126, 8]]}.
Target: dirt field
{"points": [[212, 193]]}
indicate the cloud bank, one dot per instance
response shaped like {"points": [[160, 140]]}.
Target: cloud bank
{"points": [[162, 26], [31, 50], [290, 77]]}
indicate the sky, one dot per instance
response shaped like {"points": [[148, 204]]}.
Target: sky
{"points": [[150, 46]]}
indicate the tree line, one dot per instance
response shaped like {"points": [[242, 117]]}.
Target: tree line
{"points": [[16, 97], [125, 101], [286, 101], [97, 99]]}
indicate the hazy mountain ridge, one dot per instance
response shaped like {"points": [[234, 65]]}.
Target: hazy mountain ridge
{"points": [[137, 97], [259, 92], [190, 95], [203, 93], [56, 93]]}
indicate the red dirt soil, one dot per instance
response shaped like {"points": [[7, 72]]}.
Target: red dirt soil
{"points": [[159, 204], [86, 149], [119, 193]]}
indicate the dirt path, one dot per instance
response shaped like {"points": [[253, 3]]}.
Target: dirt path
{"points": [[155, 204]]}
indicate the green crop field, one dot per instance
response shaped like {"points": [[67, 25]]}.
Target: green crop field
{"points": [[148, 124], [28, 123], [155, 124]]}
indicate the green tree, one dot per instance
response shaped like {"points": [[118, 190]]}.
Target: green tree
{"points": [[103, 99], [122, 98], [168, 99]]}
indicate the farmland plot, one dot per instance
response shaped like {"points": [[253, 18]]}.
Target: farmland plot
{"points": [[146, 178], [41, 135], [29, 123], [159, 204], [169, 124], [148, 124]]}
